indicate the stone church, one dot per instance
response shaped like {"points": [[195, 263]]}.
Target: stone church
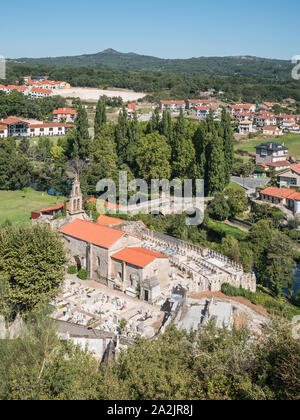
{"points": [[110, 255]]}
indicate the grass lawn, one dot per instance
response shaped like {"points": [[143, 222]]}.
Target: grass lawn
{"points": [[224, 230], [234, 186], [16, 206], [292, 141]]}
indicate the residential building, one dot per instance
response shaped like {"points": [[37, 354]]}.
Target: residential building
{"points": [[131, 110], [267, 105], [272, 130], [271, 152], [245, 127], [40, 93], [203, 111], [244, 116], [289, 101], [279, 166], [264, 120], [14, 127], [238, 109], [172, 106], [199, 102], [48, 130], [290, 178], [3, 131], [282, 196], [64, 114]]}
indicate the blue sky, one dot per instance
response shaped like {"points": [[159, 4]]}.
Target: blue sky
{"points": [[162, 28]]}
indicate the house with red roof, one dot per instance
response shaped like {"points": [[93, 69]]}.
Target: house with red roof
{"points": [[272, 130], [271, 152], [64, 115], [40, 93], [199, 102], [282, 196], [291, 177], [267, 105], [202, 112], [14, 127], [238, 109], [49, 129], [172, 106], [3, 131]]}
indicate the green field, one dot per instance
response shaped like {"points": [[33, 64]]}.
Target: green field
{"points": [[223, 229], [292, 141], [16, 206]]}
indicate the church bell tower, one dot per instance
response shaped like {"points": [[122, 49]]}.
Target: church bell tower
{"points": [[75, 199]]}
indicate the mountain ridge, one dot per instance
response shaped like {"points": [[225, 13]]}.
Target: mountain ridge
{"points": [[244, 65]]}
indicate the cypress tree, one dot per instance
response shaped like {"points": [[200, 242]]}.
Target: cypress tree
{"points": [[100, 118], [227, 134], [215, 179], [121, 138], [82, 138]]}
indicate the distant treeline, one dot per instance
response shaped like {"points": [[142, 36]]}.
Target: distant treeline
{"points": [[163, 85], [17, 104]]}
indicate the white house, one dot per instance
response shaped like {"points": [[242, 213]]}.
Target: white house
{"points": [[203, 111], [3, 131], [48, 130], [172, 106], [238, 109], [66, 114], [272, 131], [246, 127], [265, 120], [199, 102], [40, 93]]}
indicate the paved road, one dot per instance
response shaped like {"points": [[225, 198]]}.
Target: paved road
{"points": [[250, 184]]}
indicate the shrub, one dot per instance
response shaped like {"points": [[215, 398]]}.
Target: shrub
{"points": [[72, 269], [82, 274]]}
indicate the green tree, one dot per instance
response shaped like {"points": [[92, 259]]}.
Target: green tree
{"points": [[32, 260], [215, 179], [218, 208], [80, 146], [100, 118], [153, 157], [237, 201]]}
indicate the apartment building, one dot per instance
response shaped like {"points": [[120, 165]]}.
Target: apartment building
{"points": [[64, 114], [172, 106]]}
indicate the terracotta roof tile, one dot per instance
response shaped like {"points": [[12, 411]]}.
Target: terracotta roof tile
{"points": [[139, 257], [92, 233]]}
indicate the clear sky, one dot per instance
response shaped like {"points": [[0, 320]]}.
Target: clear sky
{"points": [[162, 28]]}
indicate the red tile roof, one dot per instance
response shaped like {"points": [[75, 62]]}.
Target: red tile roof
{"points": [[104, 220], [12, 120], [49, 125], [64, 111], [38, 90], [92, 233], [55, 208], [278, 192], [296, 168], [279, 164], [131, 106], [172, 102], [241, 106], [206, 108], [139, 257], [271, 128]]}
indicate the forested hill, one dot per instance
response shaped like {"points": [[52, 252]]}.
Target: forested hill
{"points": [[218, 66]]}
